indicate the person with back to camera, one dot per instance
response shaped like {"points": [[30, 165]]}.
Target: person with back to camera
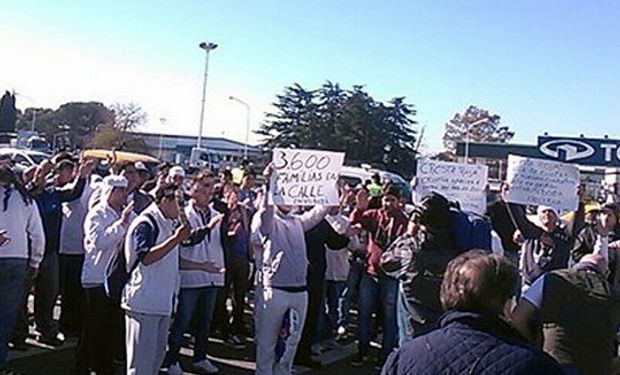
{"points": [[474, 336]]}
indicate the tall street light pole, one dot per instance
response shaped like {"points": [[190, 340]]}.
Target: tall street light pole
{"points": [[247, 124], [208, 47], [163, 121], [468, 127]]}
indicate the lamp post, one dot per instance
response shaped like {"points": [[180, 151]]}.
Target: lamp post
{"points": [[208, 47], [163, 121], [469, 126], [247, 124]]}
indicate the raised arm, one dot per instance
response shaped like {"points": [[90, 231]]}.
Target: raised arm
{"points": [[107, 236], [528, 229], [313, 217], [73, 193], [363, 218], [583, 243], [84, 171], [263, 219]]}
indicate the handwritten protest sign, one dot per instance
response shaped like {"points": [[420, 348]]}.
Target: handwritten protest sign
{"points": [[543, 182], [305, 177], [465, 183]]}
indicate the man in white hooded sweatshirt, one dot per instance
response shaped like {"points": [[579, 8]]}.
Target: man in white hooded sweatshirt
{"points": [[105, 228]]}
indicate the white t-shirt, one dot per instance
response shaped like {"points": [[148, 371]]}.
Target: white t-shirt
{"points": [[534, 294], [74, 216]]}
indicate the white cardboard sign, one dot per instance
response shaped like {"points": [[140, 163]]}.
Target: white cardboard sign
{"points": [[543, 182], [465, 183], [305, 177]]}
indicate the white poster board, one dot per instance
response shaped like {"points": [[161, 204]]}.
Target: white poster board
{"points": [[465, 183], [305, 177], [543, 182]]}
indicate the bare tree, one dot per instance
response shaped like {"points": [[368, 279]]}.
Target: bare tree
{"points": [[477, 125], [128, 116]]}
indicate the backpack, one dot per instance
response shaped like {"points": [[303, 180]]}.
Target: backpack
{"points": [[116, 274], [470, 231]]}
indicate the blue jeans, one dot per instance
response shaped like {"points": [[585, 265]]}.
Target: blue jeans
{"points": [[351, 292], [405, 328], [336, 303], [382, 291], [12, 288], [202, 302]]}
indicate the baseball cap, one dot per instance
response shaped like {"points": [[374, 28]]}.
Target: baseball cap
{"points": [[140, 166], [176, 171]]}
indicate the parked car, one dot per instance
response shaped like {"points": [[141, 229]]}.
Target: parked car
{"points": [[359, 175], [26, 158], [203, 158]]}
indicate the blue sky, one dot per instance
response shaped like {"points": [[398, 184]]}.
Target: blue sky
{"points": [[541, 65]]}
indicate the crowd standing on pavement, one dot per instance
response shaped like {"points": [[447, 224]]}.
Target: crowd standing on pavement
{"points": [[137, 260]]}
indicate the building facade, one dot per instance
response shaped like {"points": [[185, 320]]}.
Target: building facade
{"points": [[178, 148], [600, 179]]}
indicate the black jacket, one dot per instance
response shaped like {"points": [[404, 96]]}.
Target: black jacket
{"points": [[316, 239], [470, 343]]}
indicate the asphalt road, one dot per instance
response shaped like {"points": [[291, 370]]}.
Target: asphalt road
{"points": [[38, 361]]}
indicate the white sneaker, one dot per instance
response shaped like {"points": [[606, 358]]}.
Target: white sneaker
{"points": [[206, 366], [175, 369], [341, 331]]}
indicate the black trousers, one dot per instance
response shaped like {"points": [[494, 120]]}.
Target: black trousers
{"points": [[316, 284], [20, 329], [46, 287], [102, 341], [71, 294], [236, 284]]}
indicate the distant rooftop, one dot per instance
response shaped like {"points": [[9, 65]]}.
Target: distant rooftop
{"points": [[497, 150], [219, 143]]}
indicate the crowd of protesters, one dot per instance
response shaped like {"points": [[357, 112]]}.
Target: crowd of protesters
{"points": [[140, 259]]}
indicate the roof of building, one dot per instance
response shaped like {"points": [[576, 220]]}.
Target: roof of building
{"points": [[217, 143], [497, 150]]}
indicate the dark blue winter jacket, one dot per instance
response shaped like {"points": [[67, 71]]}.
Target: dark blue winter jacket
{"points": [[470, 343]]}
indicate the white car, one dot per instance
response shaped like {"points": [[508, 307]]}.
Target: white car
{"points": [[359, 175], [26, 158]]}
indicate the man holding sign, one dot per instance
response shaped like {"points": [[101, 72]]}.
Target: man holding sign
{"points": [[296, 177], [305, 177]]}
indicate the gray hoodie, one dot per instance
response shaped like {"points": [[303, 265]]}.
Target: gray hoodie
{"points": [[281, 260]]}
